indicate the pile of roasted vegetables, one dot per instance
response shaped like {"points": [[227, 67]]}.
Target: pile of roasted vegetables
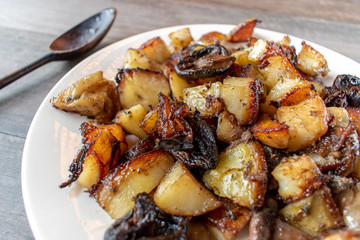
{"points": [[232, 131]]}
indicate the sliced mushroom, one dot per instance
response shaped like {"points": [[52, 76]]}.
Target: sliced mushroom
{"points": [[206, 62], [344, 92], [147, 221]]}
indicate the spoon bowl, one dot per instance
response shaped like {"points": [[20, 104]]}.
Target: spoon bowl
{"points": [[71, 44]]}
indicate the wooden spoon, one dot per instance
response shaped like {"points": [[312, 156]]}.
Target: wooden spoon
{"points": [[73, 43]]}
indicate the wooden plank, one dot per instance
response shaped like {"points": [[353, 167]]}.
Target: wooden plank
{"points": [[14, 224]]}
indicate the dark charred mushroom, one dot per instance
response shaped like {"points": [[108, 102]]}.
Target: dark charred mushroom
{"points": [[143, 146], [206, 62], [344, 92], [147, 221]]}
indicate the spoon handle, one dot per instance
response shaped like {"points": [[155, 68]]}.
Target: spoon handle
{"points": [[21, 72]]}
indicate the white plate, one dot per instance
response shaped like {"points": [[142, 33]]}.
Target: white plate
{"points": [[54, 139]]}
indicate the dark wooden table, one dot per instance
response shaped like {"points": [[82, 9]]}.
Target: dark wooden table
{"points": [[28, 27]]}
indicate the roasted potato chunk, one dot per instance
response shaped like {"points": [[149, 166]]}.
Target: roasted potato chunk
{"points": [[149, 123], [314, 214], [243, 31], [136, 58], [240, 174], [271, 132], [298, 176], [242, 98], [307, 122], [211, 38], [287, 92], [177, 85], [341, 116], [115, 191], [354, 115], [311, 61], [156, 50], [180, 39], [102, 149], [228, 129], [227, 221], [278, 67], [205, 99], [130, 120], [92, 96], [180, 193], [139, 86]]}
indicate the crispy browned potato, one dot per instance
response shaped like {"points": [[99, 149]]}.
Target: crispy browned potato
{"points": [[177, 85], [140, 86], [311, 62], [240, 174], [342, 235], [116, 191], [180, 193], [243, 31], [242, 98], [307, 122], [354, 115], [156, 50], [136, 58], [314, 214], [271, 132], [279, 67], [287, 92], [130, 120], [298, 176], [227, 221], [92, 96], [149, 123], [242, 56], [205, 98], [180, 39], [102, 149], [212, 38], [228, 129]]}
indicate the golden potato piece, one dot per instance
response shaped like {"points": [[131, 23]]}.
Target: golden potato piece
{"points": [[180, 193], [298, 176], [211, 38], [136, 58], [311, 62], [241, 56], [102, 148], [177, 85], [243, 31], [307, 122], [287, 92], [205, 99], [341, 116], [314, 214], [228, 129], [242, 98], [156, 50], [227, 221], [116, 191], [354, 115], [140, 86], [271, 132], [149, 123], [92, 96], [279, 67], [130, 120], [180, 39], [240, 174]]}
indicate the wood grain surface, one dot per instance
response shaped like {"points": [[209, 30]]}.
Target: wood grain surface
{"points": [[28, 27]]}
